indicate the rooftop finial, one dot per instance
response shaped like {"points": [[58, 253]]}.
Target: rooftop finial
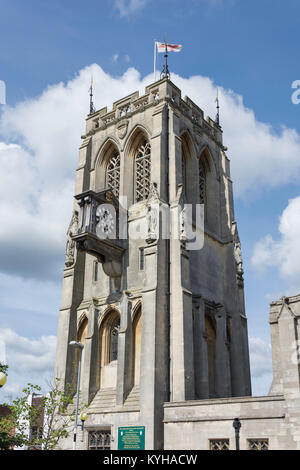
{"points": [[218, 106], [92, 107], [165, 47], [165, 73]]}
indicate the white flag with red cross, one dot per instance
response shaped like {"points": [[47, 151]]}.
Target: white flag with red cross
{"points": [[162, 46]]}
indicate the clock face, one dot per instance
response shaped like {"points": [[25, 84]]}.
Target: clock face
{"points": [[106, 222]]}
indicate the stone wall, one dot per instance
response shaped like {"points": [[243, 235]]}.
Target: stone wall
{"points": [[191, 425]]}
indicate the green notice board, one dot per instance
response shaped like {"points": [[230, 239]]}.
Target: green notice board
{"points": [[131, 438]]}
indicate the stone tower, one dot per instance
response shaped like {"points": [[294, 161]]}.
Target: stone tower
{"points": [[161, 321]]}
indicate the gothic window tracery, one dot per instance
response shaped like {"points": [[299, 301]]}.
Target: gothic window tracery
{"points": [[142, 171], [202, 182], [219, 444], [114, 340], [258, 444], [113, 174], [99, 440], [109, 334]]}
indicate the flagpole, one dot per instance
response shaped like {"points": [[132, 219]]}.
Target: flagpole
{"points": [[166, 57], [155, 60]]}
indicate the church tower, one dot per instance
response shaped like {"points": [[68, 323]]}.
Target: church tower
{"points": [[153, 280]]}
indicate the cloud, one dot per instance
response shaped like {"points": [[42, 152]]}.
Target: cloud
{"points": [[116, 57], [260, 357], [38, 158], [284, 253], [39, 155], [45, 300], [260, 157], [38, 162], [32, 239], [24, 354], [29, 360], [261, 366], [129, 7]]}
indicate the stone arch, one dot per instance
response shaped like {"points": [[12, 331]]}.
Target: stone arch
{"points": [[135, 308], [108, 348], [206, 153], [188, 141], [83, 317], [132, 136], [102, 151], [108, 150], [188, 167], [209, 189]]}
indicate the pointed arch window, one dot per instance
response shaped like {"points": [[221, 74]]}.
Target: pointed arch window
{"points": [[108, 344], [113, 174], [142, 171], [202, 182], [109, 334]]}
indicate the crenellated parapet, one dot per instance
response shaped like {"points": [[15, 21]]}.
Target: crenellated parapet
{"points": [[155, 94]]}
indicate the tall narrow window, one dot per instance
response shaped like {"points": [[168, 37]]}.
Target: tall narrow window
{"points": [[202, 182], [114, 340], [113, 174], [142, 259], [210, 331], [142, 171], [95, 271]]}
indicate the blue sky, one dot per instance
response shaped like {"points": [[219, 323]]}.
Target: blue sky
{"points": [[247, 47]]}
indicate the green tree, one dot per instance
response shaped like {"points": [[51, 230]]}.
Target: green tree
{"points": [[49, 421]]}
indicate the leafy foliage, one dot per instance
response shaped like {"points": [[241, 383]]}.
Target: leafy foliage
{"points": [[3, 368], [49, 420]]}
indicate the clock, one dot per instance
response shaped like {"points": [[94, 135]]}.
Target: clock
{"points": [[98, 227], [106, 224]]}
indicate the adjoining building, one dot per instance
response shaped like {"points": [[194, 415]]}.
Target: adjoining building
{"points": [[161, 311], [30, 429]]}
